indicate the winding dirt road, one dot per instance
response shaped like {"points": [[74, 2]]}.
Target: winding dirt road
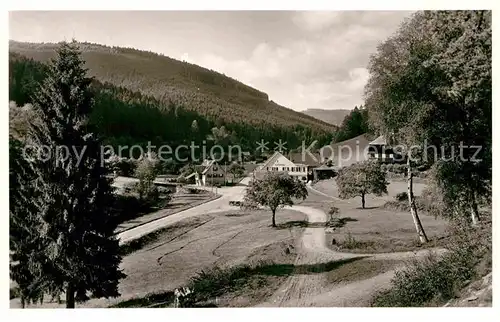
{"points": [[303, 290]]}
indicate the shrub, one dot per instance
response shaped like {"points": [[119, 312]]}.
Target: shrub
{"points": [[334, 220], [184, 297], [148, 191], [402, 196], [434, 280], [399, 168], [350, 242], [122, 166], [14, 292], [146, 171], [423, 167], [431, 280], [216, 281], [126, 207], [193, 191]]}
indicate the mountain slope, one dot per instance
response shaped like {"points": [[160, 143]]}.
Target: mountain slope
{"points": [[334, 117], [125, 118], [207, 92]]}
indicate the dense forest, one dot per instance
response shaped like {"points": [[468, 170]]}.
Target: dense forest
{"points": [[355, 123], [135, 117]]}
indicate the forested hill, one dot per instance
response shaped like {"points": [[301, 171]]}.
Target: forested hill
{"points": [[198, 89], [126, 117]]}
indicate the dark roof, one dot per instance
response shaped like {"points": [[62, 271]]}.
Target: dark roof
{"points": [[306, 158], [339, 152], [199, 168]]}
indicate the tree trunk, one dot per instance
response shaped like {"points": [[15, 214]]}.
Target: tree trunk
{"points": [[363, 200], [70, 296], [274, 217], [413, 208], [474, 209]]}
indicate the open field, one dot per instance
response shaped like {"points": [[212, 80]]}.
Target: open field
{"points": [[191, 245], [395, 186], [375, 229], [292, 265]]}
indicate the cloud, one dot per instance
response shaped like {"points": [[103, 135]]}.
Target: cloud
{"points": [[315, 20], [325, 68]]}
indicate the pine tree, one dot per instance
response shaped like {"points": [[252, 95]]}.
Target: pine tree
{"points": [[26, 244], [81, 255]]}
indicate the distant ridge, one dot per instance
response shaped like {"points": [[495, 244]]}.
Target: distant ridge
{"points": [[334, 117]]}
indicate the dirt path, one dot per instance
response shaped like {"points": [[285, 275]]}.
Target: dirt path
{"points": [[313, 289], [217, 205]]}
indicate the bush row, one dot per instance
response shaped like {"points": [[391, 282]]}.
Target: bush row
{"points": [[437, 279]]}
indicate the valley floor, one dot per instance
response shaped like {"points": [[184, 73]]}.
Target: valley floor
{"points": [[306, 270]]}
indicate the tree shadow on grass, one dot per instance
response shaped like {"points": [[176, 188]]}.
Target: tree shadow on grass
{"points": [[338, 223], [241, 214], [291, 269], [300, 223], [150, 300], [347, 219], [341, 222]]}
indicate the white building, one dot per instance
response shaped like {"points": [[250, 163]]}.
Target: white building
{"points": [[279, 163]]}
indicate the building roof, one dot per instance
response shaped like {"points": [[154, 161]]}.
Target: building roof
{"points": [[273, 158], [189, 176], [212, 164], [379, 141], [313, 160], [206, 162], [347, 152]]}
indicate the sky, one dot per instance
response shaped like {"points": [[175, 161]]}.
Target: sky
{"points": [[301, 59]]}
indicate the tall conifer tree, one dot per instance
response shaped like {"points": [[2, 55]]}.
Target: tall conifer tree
{"points": [[80, 252]]}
